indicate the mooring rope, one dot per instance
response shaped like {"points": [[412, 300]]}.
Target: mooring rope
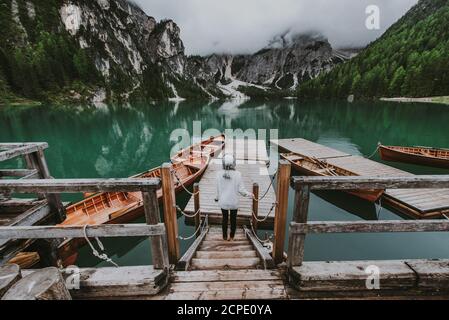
{"points": [[255, 235], [375, 151], [178, 208], [268, 189], [95, 252], [201, 227], [266, 217], [183, 186], [378, 212]]}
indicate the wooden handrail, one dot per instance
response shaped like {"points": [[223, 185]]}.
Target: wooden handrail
{"points": [[78, 185], [369, 226], [103, 230], [364, 183]]}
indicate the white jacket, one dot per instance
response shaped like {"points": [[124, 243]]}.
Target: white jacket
{"points": [[228, 190]]}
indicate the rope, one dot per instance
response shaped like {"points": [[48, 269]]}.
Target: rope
{"points": [[183, 186], [255, 235], [186, 214], [268, 189], [375, 151], [266, 217], [95, 252], [380, 208], [201, 227]]}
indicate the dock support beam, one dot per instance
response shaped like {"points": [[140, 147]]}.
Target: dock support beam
{"points": [[300, 214], [196, 201], [36, 160], [170, 218], [280, 219], [159, 247], [255, 206]]}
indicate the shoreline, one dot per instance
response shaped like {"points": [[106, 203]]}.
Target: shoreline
{"points": [[437, 100]]}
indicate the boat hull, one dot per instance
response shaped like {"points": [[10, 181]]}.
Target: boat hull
{"points": [[368, 195], [389, 154]]}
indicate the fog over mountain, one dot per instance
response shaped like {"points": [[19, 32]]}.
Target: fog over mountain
{"points": [[244, 26]]}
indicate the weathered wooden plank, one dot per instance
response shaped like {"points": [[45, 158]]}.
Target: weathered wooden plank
{"points": [[356, 182], [13, 151], [159, 247], [225, 254], [43, 284], [241, 263], [77, 185], [15, 205], [244, 294], [184, 262], [105, 230], [432, 274], [242, 284], [218, 236], [119, 282], [225, 275], [111, 282], [18, 173], [280, 223], [9, 274], [307, 148], [170, 218], [370, 226], [224, 247], [351, 275], [262, 252]]}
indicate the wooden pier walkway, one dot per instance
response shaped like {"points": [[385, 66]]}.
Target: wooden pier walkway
{"points": [[416, 203], [253, 163], [220, 269]]}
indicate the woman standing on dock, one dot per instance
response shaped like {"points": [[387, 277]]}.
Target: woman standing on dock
{"points": [[229, 186]]}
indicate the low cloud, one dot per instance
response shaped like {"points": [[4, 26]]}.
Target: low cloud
{"points": [[245, 26]]}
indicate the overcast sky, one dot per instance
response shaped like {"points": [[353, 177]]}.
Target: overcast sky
{"points": [[245, 26]]}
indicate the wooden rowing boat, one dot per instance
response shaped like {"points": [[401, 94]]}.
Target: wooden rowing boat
{"points": [[433, 157], [314, 167], [121, 207]]}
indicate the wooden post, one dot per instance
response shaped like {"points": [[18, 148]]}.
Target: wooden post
{"points": [[300, 213], [43, 284], [170, 219], [280, 219], [196, 201], [159, 249], [36, 160], [255, 206]]}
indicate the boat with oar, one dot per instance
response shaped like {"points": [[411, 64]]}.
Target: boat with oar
{"points": [[427, 156], [120, 207], [315, 167]]}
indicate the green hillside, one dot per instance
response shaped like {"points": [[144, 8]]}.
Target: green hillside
{"points": [[410, 59]]}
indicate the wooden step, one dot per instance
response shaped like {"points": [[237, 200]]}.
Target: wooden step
{"points": [[225, 247], [265, 285], [229, 295], [219, 236], [227, 243], [224, 264], [225, 275], [225, 254]]}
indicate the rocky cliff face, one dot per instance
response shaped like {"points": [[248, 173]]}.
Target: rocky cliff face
{"points": [[112, 50], [284, 64]]}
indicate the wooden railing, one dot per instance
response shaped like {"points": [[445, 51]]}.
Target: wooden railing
{"points": [[153, 227], [36, 168], [300, 226]]}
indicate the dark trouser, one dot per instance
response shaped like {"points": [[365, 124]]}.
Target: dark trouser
{"points": [[225, 222]]}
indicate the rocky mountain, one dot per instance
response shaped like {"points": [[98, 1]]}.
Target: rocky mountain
{"points": [[284, 64], [410, 59], [111, 50]]}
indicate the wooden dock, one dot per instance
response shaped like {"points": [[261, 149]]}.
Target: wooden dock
{"points": [[253, 163], [416, 203], [213, 268]]}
